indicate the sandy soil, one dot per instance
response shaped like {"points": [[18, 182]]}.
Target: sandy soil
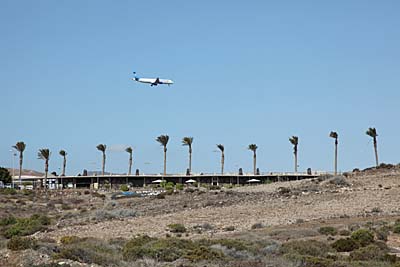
{"points": [[367, 195]]}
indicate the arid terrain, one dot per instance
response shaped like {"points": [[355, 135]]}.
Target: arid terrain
{"points": [[219, 226]]}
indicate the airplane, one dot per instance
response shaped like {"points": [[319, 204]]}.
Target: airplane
{"points": [[152, 81]]}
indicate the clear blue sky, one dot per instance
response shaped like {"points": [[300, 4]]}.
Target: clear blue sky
{"points": [[244, 72]]}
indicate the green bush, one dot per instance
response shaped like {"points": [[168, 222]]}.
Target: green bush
{"points": [[21, 243], [327, 230], [177, 228], [69, 239], [134, 248], [52, 264], [363, 237], [91, 251], [8, 221], [215, 187], [27, 226], [237, 244], [167, 184], [8, 191], [396, 228], [124, 188], [306, 247], [179, 186], [309, 261], [168, 249], [368, 253], [345, 245], [203, 253], [42, 219], [5, 175]]}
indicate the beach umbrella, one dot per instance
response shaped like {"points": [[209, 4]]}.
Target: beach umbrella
{"points": [[253, 181], [157, 181], [191, 181]]}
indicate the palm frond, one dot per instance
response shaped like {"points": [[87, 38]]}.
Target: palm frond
{"points": [[101, 147], [294, 140], [221, 147], [372, 132], [252, 147], [187, 141], [44, 154], [129, 150], [20, 146], [62, 153], [163, 140], [334, 135]]}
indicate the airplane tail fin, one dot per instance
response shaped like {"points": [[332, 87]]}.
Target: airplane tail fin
{"points": [[136, 77]]}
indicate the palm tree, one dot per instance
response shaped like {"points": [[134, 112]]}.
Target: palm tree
{"points": [[130, 151], [102, 148], [295, 141], [44, 154], [222, 148], [253, 147], [335, 136], [163, 140], [20, 147], [187, 141], [64, 155], [372, 132]]}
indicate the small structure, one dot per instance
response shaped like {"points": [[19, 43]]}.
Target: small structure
{"points": [[253, 181]]}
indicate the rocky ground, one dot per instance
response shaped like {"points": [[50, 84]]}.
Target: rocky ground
{"points": [[272, 204], [284, 210]]}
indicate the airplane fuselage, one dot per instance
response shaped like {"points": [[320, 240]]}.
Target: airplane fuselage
{"points": [[153, 81]]}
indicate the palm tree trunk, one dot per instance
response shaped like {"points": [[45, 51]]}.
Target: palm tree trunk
{"points": [[63, 171], [254, 163], [190, 161], [295, 160], [104, 164], [64, 166], [376, 152], [336, 155], [222, 163], [20, 167], [46, 170], [130, 165], [165, 161]]}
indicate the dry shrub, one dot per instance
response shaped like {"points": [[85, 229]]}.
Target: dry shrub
{"points": [[306, 247], [26, 226], [345, 245], [177, 228], [21, 243], [90, 251], [363, 237], [327, 230]]}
